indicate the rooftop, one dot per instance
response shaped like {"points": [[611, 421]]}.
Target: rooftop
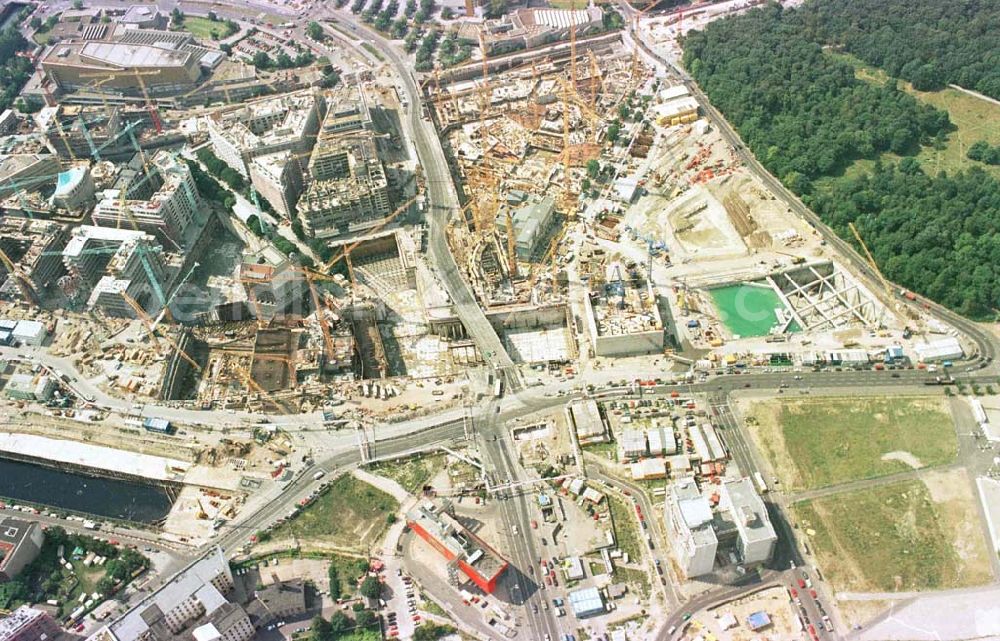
{"points": [[748, 510], [84, 234], [95, 456], [186, 584], [17, 619], [456, 538]]}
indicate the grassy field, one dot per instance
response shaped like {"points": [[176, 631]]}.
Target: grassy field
{"points": [[975, 119], [608, 451], [203, 28], [900, 536], [627, 533], [638, 579], [823, 441], [413, 473], [351, 515]]}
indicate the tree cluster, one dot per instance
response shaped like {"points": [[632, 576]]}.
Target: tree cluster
{"points": [[282, 61], [937, 235], [982, 151], [928, 42], [453, 51], [801, 111], [14, 69], [341, 625], [425, 52], [44, 578], [424, 13]]}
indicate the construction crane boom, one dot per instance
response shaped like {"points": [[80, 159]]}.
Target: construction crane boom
{"points": [[143, 316], [511, 248], [388, 219], [871, 262], [148, 323]]}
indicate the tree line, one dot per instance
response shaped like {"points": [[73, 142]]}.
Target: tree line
{"points": [[14, 69], [805, 116]]}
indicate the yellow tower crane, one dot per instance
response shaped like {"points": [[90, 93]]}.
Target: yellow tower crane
{"points": [[871, 263], [511, 248], [148, 323], [27, 289]]}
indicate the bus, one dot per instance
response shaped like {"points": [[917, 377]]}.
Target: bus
{"points": [[758, 480], [498, 388]]}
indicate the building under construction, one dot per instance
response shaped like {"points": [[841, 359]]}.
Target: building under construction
{"points": [[623, 316], [30, 258], [115, 271], [172, 213], [348, 190], [101, 132]]}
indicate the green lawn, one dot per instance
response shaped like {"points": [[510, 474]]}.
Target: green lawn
{"points": [[894, 537], [202, 28], [626, 529], [351, 514], [372, 50], [974, 119], [607, 451], [42, 37], [823, 441], [638, 579], [412, 473]]}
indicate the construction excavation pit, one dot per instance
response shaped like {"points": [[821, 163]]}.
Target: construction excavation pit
{"points": [[810, 297]]}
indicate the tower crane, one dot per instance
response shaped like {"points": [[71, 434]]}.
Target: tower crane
{"points": [[325, 269], [27, 289], [144, 259], [148, 323], [871, 263]]}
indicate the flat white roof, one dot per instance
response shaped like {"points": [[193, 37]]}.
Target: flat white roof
{"points": [[94, 456], [84, 233]]}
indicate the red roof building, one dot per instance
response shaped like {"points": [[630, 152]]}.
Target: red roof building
{"points": [[436, 524]]}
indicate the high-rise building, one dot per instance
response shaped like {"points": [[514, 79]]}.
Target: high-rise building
{"points": [[192, 605], [277, 178], [27, 171], [20, 543], [167, 214], [104, 262], [266, 140], [739, 523], [756, 535], [34, 247], [689, 519]]}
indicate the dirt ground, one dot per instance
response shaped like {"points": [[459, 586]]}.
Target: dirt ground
{"points": [[775, 602]]}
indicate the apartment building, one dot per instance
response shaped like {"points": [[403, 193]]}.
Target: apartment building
{"points": [[167, 214]]}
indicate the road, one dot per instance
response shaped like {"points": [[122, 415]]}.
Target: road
{"points": [[442, 204], [494, 440]]}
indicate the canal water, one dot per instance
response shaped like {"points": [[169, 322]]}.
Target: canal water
{"points": [[101, 497]]}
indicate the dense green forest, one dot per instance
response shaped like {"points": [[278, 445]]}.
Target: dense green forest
{"points": [[931, 43], [803, 113], [938, 235]]}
